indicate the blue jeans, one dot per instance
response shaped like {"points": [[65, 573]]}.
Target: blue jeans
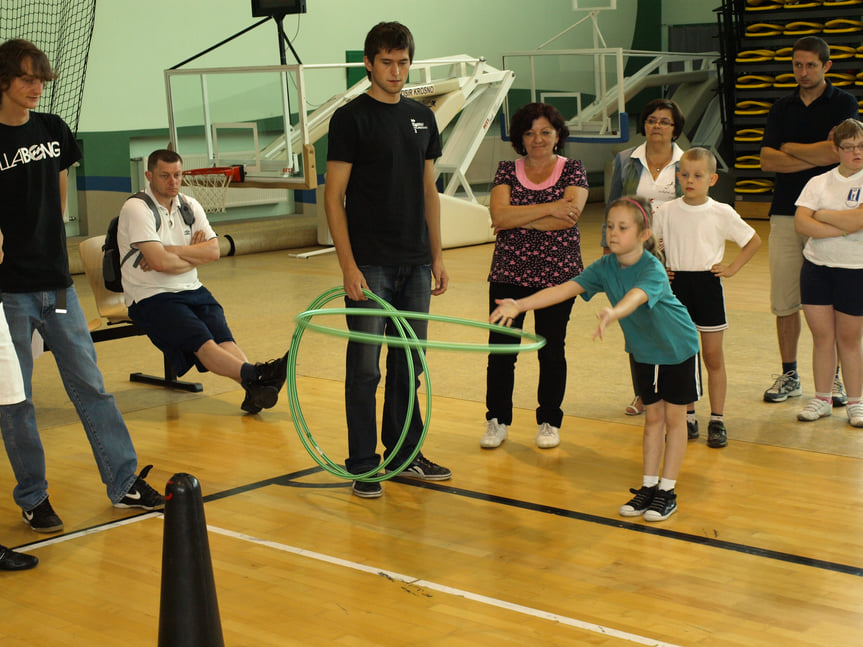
{"points": [[69, 340], [405, 287]]}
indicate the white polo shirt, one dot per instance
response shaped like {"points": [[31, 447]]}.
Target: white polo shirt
{"points": [[138, 225]]}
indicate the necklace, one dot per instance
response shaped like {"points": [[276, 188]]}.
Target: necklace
{"points": [[661, 165]]}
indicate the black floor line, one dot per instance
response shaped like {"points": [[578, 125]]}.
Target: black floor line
{"points": [[290, 480]]}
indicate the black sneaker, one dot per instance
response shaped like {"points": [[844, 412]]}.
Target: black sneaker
{"points": [[141, 495], [259, 396], [248, 405], [423, 468], [263, 391], [716, 435], [636, 506], [42, 518], [12, 561], [664, 505], [692, 429], [367, 489], [275, 372]]}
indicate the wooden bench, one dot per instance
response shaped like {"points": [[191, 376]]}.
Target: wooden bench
{"points": [[114, 322]]}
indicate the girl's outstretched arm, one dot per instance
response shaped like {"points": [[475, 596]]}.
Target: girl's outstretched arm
{"points": [[509, 309], [623, 308]]}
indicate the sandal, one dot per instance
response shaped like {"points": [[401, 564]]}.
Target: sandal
{"points": [[635, 408]]}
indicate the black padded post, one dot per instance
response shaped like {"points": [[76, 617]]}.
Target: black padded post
{"points": [[189, 610]]}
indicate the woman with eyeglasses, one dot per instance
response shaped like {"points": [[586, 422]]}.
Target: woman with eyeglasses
{"points": [[649, 170]]}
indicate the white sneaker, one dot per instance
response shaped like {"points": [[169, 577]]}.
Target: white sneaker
{"points": [[816, 409], [855, 414], [547, 436], [495, 434]]}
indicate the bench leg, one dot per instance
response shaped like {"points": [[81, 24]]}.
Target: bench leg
{"points": [[170, 380]]}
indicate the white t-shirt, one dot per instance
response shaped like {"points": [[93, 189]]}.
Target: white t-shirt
{"points": [[662, 189], [693, 237], [11, 385], [831, 190], [137, 225]]}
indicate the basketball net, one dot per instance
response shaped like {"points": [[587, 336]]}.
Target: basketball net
{"points": [[209, 186]]}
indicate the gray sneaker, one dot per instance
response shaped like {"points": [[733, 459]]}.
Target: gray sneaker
{"points": [[786, 386], [840, 398]]}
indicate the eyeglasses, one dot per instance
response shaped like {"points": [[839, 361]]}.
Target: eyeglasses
{"points": [[857, 148], [665, 123]]}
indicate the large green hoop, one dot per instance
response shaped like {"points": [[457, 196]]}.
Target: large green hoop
{"points": [[379, 473], [536, 341], [408, 340]]}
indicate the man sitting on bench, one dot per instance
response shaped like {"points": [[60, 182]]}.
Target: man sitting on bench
{"points": [[161, 244]]}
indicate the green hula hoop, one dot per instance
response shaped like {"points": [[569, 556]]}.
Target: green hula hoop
{"points": [[379, 473], [408, 340], [536, 341]]}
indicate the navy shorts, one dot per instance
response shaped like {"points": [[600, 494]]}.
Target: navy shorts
{"points": [[840, 287], [674, 383], [179, 323], [702, 294]]}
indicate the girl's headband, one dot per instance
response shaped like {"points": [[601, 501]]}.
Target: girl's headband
{"points": [[641, 209]]}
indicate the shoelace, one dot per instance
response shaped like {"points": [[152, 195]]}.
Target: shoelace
{"points": [[641, 497], [142, 486], [781, 381], [660, 501]]}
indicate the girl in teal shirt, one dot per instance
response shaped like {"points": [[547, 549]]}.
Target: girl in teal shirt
{"points": [[659, 334]]}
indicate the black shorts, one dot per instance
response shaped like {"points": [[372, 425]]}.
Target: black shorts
{"points": [[674, 383], [840, 287], [702, 294], [179, 323]]}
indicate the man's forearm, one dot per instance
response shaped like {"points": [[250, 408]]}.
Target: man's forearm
{"points": [[816, 154]]}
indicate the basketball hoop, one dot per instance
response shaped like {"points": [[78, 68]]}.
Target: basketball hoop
{"points": [[209, 186]]}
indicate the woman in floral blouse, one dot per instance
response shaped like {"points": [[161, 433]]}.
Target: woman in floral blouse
{"points": [[535, 206]]}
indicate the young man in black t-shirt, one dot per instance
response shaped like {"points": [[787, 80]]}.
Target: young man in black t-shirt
{"points": [[36, 149], [383, 212]]}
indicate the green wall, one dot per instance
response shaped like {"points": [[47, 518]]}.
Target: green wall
{"points": [[134, 42]]}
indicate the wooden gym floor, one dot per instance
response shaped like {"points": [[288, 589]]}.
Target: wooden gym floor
{"points": [[521, 547]]}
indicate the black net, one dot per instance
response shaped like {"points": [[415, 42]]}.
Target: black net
{"points": [[62, 29]]}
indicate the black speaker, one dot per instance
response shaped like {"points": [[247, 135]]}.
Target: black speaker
{"points": [[277, 7]]}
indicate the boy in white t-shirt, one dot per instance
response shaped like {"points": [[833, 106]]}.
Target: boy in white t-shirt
{"points": [[693, 230], [830, 212]]}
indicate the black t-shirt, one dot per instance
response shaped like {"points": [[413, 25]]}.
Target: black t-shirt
{"points": [[790, 120], [31, 216], [387, 146]]}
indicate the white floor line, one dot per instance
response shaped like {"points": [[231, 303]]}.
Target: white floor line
{"points": [[88, 531], [537, 613]]}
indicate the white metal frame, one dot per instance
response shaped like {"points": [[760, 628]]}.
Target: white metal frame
{"points": [[595, 120], [461, 85]]}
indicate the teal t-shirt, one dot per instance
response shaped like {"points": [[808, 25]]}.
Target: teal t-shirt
{"points": [[659, 331]]}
